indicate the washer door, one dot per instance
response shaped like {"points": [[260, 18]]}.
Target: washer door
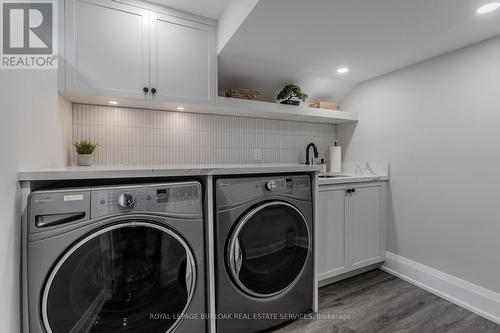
{"points": [[268, 249], [130, 277]]}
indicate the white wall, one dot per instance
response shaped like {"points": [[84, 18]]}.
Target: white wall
{"points": [[438, 123], [35, 127]]}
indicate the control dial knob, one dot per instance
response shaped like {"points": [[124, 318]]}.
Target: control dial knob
{"points": [[126, 200], [271, 185]]}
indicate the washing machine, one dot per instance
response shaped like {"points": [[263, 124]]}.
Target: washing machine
{"points": [[264, 259], [116, 259]]}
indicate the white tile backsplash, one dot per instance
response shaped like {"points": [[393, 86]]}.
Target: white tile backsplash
{"points": [[150, 137]]}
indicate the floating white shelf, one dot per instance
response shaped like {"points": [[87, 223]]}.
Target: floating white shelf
{"points": [[232, 107], [256, 109]]}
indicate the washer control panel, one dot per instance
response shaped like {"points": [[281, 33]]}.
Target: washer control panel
{"points": [[271, 185], [231, 190], [288, 184], [126, 200], [176, 198]]}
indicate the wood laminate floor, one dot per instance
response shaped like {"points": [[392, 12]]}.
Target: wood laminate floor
{"points": [[378, 302]]}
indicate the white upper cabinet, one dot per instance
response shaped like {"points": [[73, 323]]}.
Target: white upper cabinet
{"points": [[182, 59], [107, 48], [115, 49]]}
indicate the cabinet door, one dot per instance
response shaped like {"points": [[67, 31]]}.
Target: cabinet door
{"points": [[107, 48], [366, 239], [182, 60], [330, 232]]}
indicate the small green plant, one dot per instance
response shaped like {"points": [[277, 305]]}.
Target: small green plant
{"points": [[85, 147], [290, 91]]}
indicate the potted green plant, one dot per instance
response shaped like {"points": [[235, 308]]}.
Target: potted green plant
{"points": [[85, 150], [289, 92]]}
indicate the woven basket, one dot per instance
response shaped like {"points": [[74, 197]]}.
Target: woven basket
{"points": [[253, 95]]}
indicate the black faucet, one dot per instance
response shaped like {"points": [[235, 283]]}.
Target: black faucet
{"points": [[315, 150]]}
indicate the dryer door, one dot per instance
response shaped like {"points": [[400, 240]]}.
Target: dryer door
{"points": [[130, 277], [268, 249]]}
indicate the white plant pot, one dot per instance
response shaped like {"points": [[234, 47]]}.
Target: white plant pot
{"points": [[85, 159]]}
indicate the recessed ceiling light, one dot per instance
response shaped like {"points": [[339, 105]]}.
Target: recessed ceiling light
{"points": [[180, 108], [113, 102], [488, 8], [342, 70]]}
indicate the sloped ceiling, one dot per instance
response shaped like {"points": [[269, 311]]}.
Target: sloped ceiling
{"points": [[301, 41]]}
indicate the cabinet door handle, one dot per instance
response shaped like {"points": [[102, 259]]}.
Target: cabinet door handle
{"points": [[353, 190], [145, 89], [348, 191], [153, 91]]}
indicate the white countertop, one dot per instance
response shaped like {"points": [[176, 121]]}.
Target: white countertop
{"points": [[357, 172], [121, 171], [354, 175], [351, 179]]}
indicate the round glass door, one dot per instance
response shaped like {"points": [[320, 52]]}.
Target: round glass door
{"points": [[268, 249], [130, 277]]}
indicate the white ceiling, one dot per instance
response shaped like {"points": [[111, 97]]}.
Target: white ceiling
{"points": [[207, 8], [372, 37]]}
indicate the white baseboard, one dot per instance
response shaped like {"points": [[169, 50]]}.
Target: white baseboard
{"points": [[479, 300]]}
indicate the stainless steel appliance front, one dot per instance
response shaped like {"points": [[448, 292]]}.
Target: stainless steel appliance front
{"points": [[116, 259], [264, 242]]}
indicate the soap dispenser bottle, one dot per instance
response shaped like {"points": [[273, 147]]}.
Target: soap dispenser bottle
{"points": [[323, 166], [335, 158]]}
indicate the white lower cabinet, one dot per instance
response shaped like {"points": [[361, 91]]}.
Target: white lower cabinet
{"points": [[365, 231], [331, 232], [350, 227]]}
